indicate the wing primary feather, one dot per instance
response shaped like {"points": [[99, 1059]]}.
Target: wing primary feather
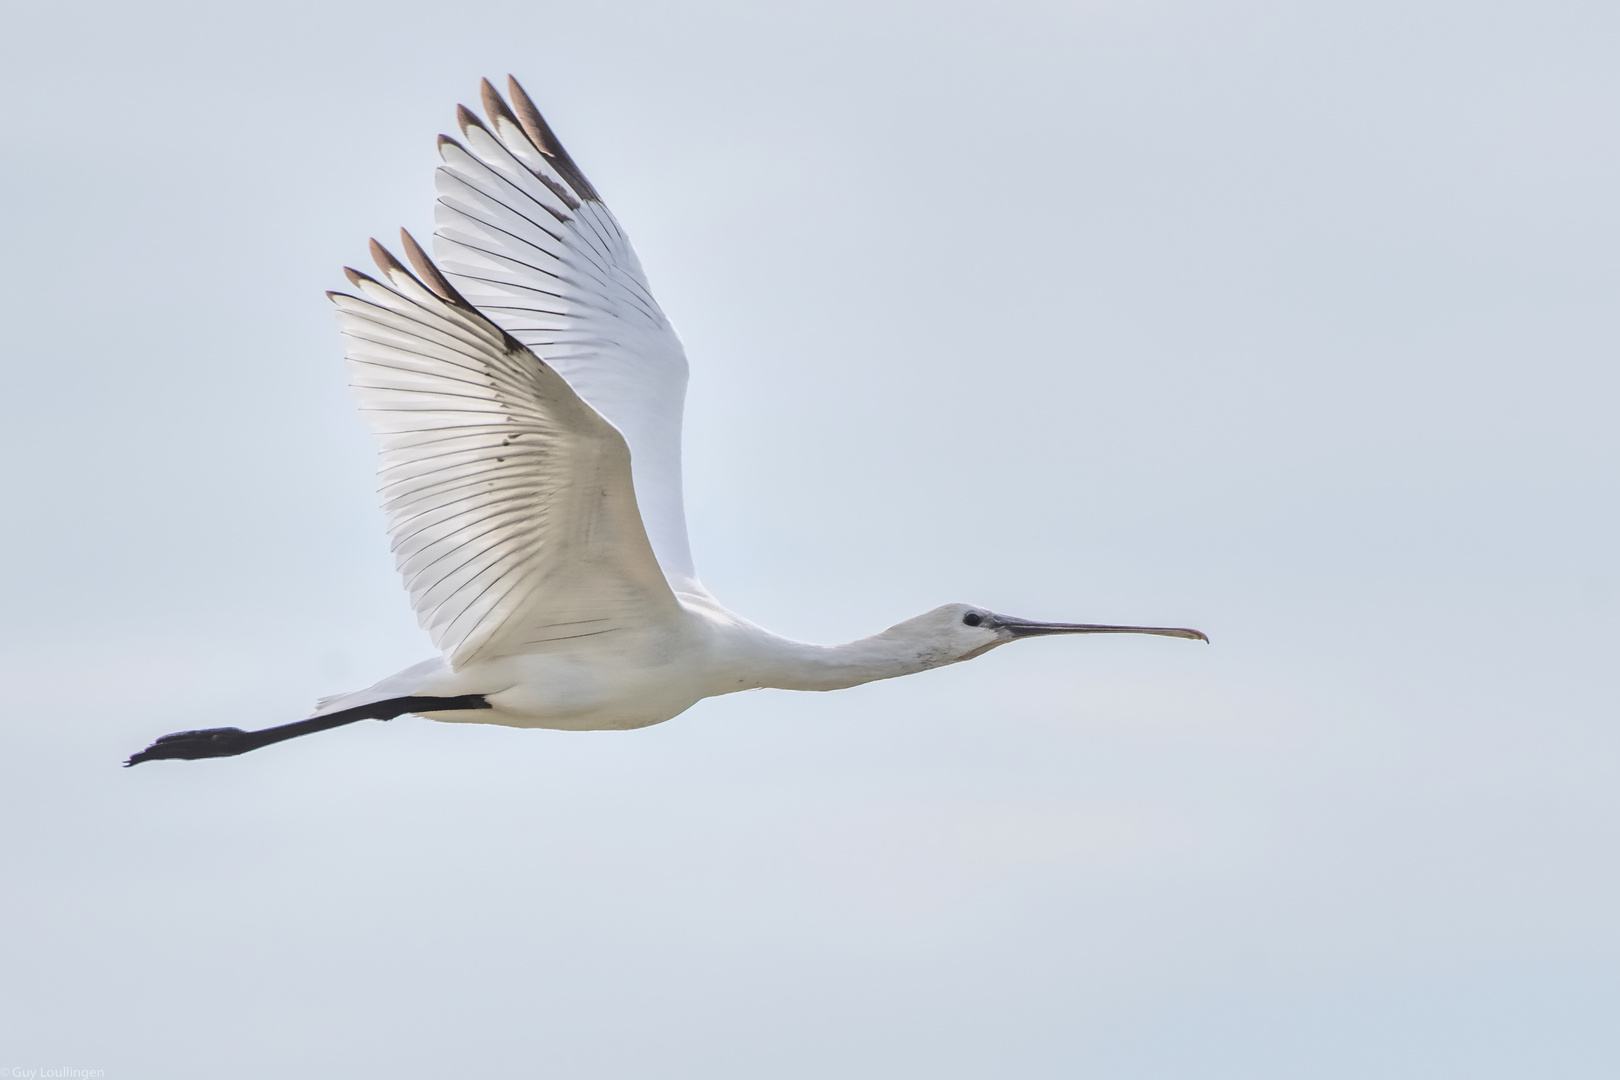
{"points": [[430, 273], [470, 186], [603, 243], [592, 265], [499, 113], [386, 262], [458, 339], [553, 186], [476, 133], [587, 267], [466, 118], [534, 125], [429, 321], [516, 262], [495, 106]]}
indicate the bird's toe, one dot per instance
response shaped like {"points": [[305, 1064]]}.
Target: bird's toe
{"points": [[190, 745]]}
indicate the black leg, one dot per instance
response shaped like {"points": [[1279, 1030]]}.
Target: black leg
{"points": [[230, 741]]}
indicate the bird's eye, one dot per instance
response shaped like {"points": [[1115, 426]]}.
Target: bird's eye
{"points": [[973, 618]]}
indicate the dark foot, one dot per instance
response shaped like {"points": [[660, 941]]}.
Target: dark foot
{"points": [[190, 745], [230, 741]]}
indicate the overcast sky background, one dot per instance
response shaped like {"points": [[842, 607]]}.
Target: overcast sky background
{"points": [[1294, 322]]}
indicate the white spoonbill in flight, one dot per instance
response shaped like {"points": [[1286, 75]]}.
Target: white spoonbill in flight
{"points": [[527, 392]]}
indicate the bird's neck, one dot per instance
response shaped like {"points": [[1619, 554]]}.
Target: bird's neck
{"points": [[793, 665]]}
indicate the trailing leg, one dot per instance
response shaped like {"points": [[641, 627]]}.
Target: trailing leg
{"points": [[230, 741]]}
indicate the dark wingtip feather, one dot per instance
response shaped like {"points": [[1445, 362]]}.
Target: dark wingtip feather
{"points": [[466, 118], [385, 259], [495, 106], [534, 125], [435, 283], [428, 272]]}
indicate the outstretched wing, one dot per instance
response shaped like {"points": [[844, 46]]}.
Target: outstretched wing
{"points": [[524, 237], [509, 499]]}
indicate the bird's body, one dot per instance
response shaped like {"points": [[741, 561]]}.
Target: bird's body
{"points": [[645, 675], [527, 392]]}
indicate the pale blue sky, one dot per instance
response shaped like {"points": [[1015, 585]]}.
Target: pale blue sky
{"points": [[1293, 322]]}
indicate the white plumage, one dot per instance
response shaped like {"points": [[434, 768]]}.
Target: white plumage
{"points": [[527, 392]]}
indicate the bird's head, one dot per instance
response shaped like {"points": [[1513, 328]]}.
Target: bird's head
{"points": [[962, 631]]}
